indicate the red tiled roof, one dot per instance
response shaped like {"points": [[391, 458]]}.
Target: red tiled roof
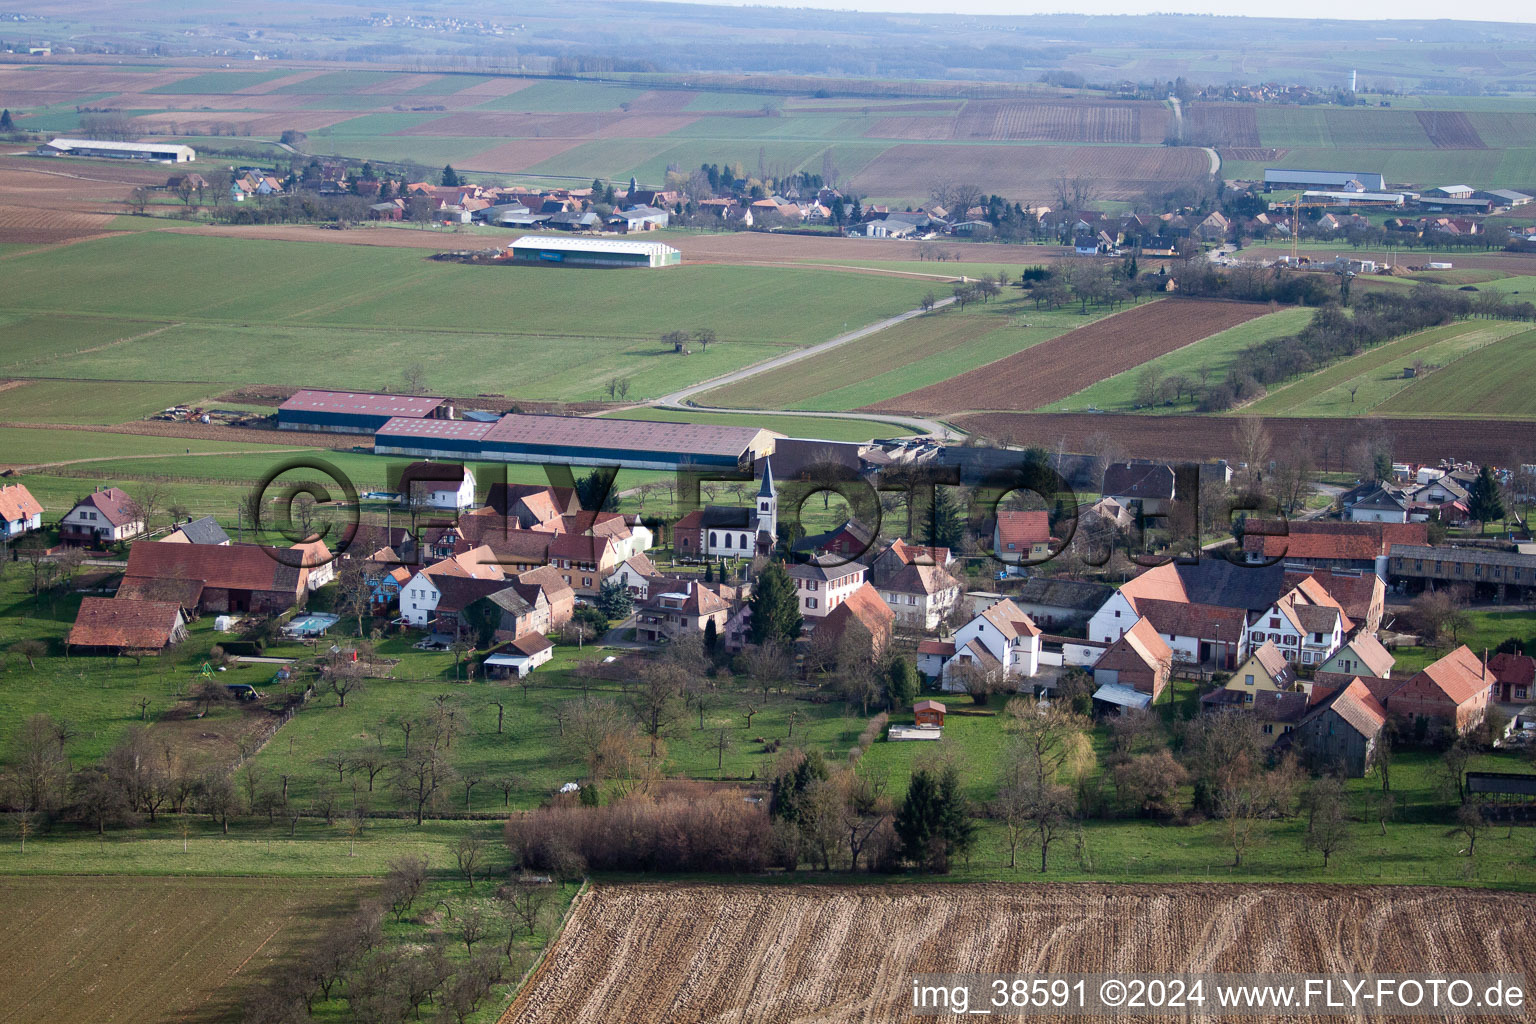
{"points": [[17, 503], [1459, 675], [123, 622], [1516, 669], [114, 504], [1327, 541], [929, 705], [1018, 531], [945, 648], [185, 593], [232, 567], [531, 644], [1198, 620], [1138, 648]]}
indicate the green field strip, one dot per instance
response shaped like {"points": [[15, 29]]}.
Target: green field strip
{"points": [[1378, 372], [219, 82], [88, 402], [1214, 355], [1492, 382], [564, 98]]}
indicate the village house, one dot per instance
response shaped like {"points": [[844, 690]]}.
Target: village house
{"points": [[1358, 547], [864, 607], [1514, 677], [850, 540], [823, 582], [1000, 640], [124, 625], [1361, 655], [1146, 486], [420, 598], [1305, 623], [441, 485], [198, 531], [105, 516], [671, 613], [1139, 660], [546, 584], [914, 584], [637, 574], [583, 561], [1201, 609], [1022, 537], [1266, 669], [1362, 595], [532, 504], [19, 512], [1451, 692], [1341, 730]]}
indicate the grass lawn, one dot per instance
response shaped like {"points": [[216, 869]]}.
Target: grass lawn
{"points": [[911, 355], [1377, 373], [1213, 355], [371, 310], [28, 446], [93, 402]]}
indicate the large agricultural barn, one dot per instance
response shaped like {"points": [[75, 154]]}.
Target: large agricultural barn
{"points": [[577, 441], [593, 252], [164, 152], [356, 412], [1371, 181]]}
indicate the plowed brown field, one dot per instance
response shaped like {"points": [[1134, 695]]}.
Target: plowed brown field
{"points": [[802, 954], [1500, 442], [1063, 366]]}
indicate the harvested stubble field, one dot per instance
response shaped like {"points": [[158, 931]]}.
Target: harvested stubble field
{"points": [[150, 950], [1009, 121], [1213, 437], [1055, 369], [847, 954]]}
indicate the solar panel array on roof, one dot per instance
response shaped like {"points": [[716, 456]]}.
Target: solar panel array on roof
{"points": [[362, 403], [462, 430]]}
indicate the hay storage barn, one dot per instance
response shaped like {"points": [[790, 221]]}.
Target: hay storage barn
{"points": [[164, 152], [356, 412], [593, 252], [578, 441]]}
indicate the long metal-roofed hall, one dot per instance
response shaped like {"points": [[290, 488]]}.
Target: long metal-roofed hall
{"points": [[593, 252], [101, 149], [579, 441], [357, 412]]}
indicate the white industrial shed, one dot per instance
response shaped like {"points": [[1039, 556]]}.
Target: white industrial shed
{"points": [[593, 252], [164, 152]]}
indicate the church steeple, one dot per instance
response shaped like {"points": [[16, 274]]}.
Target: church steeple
{"points": [[768, 505]]}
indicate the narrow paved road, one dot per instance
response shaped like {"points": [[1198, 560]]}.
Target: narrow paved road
{"points": [[683, 399]]}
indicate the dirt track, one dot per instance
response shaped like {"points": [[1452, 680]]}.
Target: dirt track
{"points": [[1503, 442], [1052, 370], [825, 954]]}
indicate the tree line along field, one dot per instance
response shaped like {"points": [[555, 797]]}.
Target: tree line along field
{"points": [[802, 953], [353, 317], [1379, 381], [1072, 361], [924, 351]]}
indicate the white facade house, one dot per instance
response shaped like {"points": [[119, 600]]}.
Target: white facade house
{"points": [[824, 582], [1306, 624], [636, 574], [420, 596], [1001, 639], [439, 485], [102, 517]]}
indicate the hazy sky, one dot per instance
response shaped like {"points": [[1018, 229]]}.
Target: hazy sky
{"points": [[1360, 10]]}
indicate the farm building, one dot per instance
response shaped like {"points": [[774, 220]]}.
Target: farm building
{"points": [[1350, 181], [1356, 198], [593, 252], [577, 441], [164, 152], [355, 412], [124, 624], [217, 579]]}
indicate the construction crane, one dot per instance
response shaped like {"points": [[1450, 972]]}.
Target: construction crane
{"points": [[1296, 206]]}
